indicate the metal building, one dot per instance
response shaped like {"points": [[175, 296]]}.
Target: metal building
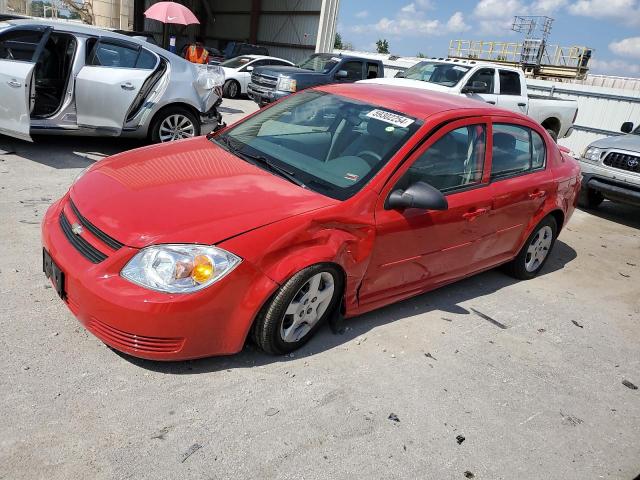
{"points": [[290, 29]]}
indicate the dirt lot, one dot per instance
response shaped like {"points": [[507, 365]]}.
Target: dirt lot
{"points": [[426, 388]]}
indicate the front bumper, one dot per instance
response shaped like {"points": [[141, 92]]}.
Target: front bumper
{"points": [[149, 324], [263, 96], [616, 185]]}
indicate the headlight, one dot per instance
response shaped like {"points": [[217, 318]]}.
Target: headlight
{"points": [[179, 268], [592, 154], [286, 84]]}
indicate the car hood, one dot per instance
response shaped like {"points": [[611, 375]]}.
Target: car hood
{"points": [[407, 82], [624, 142], [190, 191], [284, 70]]}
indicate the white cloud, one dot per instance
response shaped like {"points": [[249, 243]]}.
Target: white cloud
{"points": [[626, 11], [629, 47], [412, 20], [613, 67], [411, 8], [456, 23], [362, 14], [492, 9], [548, 6]]}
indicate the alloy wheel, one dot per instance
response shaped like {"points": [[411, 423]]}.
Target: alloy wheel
{"points": [[538, 248], [176, 127]]}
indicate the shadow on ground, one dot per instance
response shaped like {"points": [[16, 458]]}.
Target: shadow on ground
{"points": [[446, 300], [66, 151], [621, 213]]}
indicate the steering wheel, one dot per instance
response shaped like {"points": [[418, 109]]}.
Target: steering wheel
{"points": [[376, 157]]}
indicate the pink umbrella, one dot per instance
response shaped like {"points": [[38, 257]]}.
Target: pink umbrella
{"points": [[171, 12]]}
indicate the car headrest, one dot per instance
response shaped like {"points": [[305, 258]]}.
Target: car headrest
{"points": [[504, 141], [451, 75]]}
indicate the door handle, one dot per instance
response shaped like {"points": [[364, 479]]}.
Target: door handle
{"points": [[14, 83], [471, 216], [522, 104], [538, 194], [491, 102], [127, 86]]}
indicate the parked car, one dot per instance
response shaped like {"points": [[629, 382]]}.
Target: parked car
{"points": [[495, 84], [146, 36], [337, 200], [70, 79], [237, 72], [611, 169], [236, 49], [269, 84]]}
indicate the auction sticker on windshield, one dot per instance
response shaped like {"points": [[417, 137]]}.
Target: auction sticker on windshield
{"points": [[392, 118]]}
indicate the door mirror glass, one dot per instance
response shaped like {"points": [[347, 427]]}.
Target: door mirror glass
{"points": [[419, 195], [476, 87], [341, 74], [627, 127]]}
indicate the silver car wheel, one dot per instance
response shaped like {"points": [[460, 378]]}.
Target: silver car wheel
{"points": [[538, 249], [307, 307], [233, 89], [175, 127]]}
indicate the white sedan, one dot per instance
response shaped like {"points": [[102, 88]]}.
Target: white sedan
{"points": [[238, 70]]}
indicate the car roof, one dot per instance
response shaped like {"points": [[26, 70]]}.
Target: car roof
{"points": [[263, 57], [81, 28], [468, 63], [415, 102]]}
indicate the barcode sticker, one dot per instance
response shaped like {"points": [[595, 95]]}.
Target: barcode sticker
{"points": [[392, 118]]}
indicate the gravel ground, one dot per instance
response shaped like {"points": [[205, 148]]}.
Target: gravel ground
{"points": [[427, 388]]}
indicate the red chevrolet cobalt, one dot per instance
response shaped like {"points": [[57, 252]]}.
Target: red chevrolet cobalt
{"points": [[337, 200]]}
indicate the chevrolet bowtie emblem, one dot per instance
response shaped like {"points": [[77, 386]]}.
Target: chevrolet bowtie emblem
{"points": [[77, 228]]}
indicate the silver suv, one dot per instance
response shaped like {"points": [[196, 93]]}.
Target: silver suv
{"points": [[611, 169]]}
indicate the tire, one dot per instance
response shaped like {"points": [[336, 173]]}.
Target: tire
{"points": [[231, 89], [528, 264], [276, 330], [553, 134], [590, 198], [170, 116]]}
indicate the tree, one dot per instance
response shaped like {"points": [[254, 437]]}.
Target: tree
{"points": [[337, 44], [382, 45], [83, 8], [421, 55]]}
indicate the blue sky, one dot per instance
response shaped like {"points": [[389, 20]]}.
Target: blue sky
{"points": [[610, 27]]}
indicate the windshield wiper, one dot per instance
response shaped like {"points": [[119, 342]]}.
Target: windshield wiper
{"points": [[226, 141]]}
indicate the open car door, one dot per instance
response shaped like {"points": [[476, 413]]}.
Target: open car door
{"points": [[20, 49], [109, 83]]}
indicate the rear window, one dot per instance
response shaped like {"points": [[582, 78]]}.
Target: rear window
{"points": [[509, 83], [516, 150]]}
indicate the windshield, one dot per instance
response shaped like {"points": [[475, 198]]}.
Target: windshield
{"points": [[445, 74], [319, 62], [330, 144], [236, 62]]}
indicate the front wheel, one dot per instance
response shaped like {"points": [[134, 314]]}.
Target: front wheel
{"points": [[231, 89], [535, 251], [174, 123], [299, 307]]}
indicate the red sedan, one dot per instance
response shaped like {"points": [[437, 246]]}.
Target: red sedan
{"points": [[337, 200]]}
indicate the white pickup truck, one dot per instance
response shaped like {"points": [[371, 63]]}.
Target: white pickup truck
{"points": [[496, 84]]}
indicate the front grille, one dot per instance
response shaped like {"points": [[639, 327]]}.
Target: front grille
{"points": [[131, 341], [264, 81], [87, 250], [622, 161], [110, 241]]}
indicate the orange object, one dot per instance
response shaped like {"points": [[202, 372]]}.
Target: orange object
{"points": [[196, 54]]}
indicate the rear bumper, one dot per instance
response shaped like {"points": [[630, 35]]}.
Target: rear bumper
{"points": [[149, 324]]}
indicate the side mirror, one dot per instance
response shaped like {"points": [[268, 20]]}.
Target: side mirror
{"points": [[627, 127], [419, 195], [476, 87], [341, 74], [250, 68], [399, 75]]}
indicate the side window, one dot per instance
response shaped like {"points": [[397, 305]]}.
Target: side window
{"points": [[19, 45], [372, 70], [485, 75], [146, 60], [516, 150], [509, 83], [455, 161], [114, 55], [353, 69], [279, 62]]}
